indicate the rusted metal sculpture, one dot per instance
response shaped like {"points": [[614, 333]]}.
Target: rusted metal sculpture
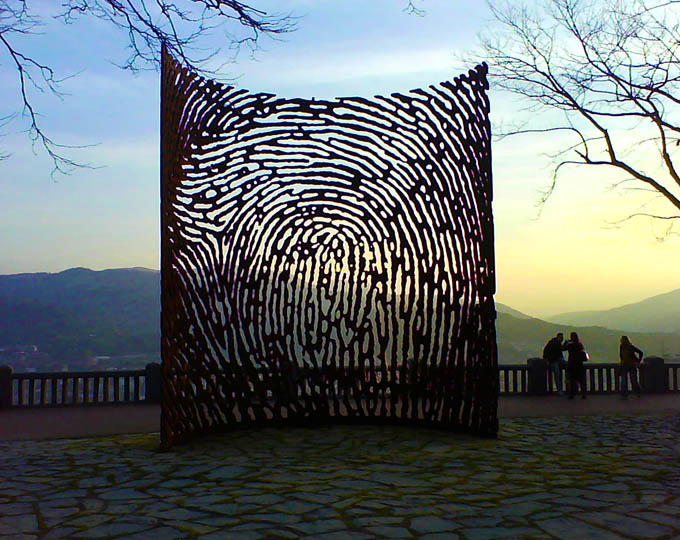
{"points": [[326, 261]]}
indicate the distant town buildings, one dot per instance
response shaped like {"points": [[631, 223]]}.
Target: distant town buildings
{"points": [[28, 358]]}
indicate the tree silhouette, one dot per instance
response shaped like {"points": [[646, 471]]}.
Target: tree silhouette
{"points": [[180, 25], [612, 69]]}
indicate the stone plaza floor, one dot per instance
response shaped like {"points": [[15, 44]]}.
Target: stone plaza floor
{"points": [[580, 477]]}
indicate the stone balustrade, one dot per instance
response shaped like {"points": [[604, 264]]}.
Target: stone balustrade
{"points": [[134, 386]]}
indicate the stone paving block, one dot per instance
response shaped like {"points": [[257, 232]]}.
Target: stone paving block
{"points": [[343, 535], [175, 483], [355, 485], [672, 509], [61, 502], [282, 533], [319, 526], [359, 512], [432, 524], [232, 535], [546, 515], [295, 507], [122, 494], [219, 521], [349, 502], [182, 514], [613, 487], [523, 509], [47, 511], [204, 501], [385, 531], [378, 520], [190, 527], [566, 528], [502, 533], [529, 497], [264, 499], [250, 526], [59, 533], [191, 471], [581, 502], [122, 509], [232, 509], [89, 520], [158, 533], [318, 498], [227, 472], [13, 509], [457, 510], [162, 493], [657, 517], [274, 517], [398, 480], [111, 529], [480, 521], [627, 525], [18, 524]]}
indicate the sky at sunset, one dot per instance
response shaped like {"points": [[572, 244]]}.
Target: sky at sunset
{"points": [[564, 256]]}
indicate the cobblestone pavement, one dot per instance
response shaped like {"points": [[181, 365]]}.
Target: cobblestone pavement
{"points": [[568, 477]]}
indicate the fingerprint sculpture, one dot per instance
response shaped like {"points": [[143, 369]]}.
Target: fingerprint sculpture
{"points": [[326, 260]]}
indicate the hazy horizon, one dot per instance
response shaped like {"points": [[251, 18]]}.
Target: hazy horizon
{"points": [[545, 315]]}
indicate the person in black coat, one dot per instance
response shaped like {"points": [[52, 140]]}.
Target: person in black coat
{"points": [[576, 372], [552, 353]]}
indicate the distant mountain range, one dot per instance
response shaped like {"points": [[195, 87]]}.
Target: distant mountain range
{"points": [[80, 313], [522, 338], [652, 324], [502, 308], [659, 313]]}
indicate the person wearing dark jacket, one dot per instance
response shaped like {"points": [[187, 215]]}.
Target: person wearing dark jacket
{"points": [[575, 359], [552, 354], [630, 357]]}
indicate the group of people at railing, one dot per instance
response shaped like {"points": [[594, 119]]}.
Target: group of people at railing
{"points": [[553, 353]]}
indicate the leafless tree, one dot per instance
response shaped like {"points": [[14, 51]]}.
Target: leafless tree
{"points": [[611, 69], [180, 25]]}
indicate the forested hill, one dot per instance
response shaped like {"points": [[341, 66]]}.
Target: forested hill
{"points": [[81, 312], [519, 339], [659, 313]]}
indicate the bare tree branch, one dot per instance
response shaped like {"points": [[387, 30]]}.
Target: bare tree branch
{"points": [[412, 9], [180, 25], [612, 68]]}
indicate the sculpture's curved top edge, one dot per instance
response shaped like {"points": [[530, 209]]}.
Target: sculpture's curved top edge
{"points": [[478, 73]]}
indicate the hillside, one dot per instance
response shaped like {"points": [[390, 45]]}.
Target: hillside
{"points": [[659, 313], [519, 339], [81, 312], [502, 308]]}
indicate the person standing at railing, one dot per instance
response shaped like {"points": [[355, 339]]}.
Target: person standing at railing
{"points": [[576, 372], [630, 357], [552, 354]]}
